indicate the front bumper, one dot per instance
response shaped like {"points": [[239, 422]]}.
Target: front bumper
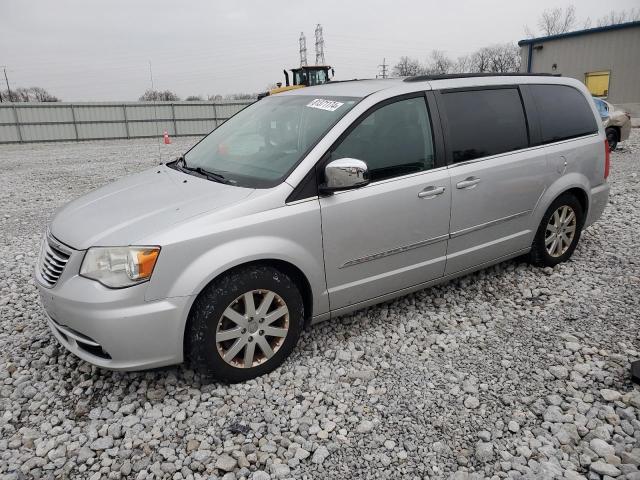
{"points": [[114, 328]]}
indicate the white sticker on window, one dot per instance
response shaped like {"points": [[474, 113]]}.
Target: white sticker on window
{"points": [[323, 104]]}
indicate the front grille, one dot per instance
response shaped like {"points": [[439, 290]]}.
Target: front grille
{"points": [[52, 261]]}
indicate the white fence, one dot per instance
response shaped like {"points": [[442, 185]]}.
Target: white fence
{"points": [[61, 121]]}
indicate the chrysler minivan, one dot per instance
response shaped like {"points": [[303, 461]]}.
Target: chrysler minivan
{"points": [[317, 202]]}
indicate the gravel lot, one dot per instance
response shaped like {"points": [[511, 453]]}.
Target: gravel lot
{"points": [[512, 372]]}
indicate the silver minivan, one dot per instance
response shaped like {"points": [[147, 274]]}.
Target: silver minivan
{"points": [[316, 202]]}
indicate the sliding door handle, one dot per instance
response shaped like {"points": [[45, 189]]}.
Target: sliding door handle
{"points": [[468, 183]]}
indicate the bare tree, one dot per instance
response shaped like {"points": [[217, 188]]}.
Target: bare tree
{"points": [[557, 20], [407, 67], [439, 63], [462, 64], [194, 98], [554, 21], [481, 60], [41, 95], [214, 98], [159, 96], [615, 18], [504, 58]]}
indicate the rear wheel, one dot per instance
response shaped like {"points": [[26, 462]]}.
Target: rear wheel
{"points": [[612, 138], [244, 324], [558, 233]]}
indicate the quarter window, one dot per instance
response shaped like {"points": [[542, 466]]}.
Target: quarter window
{"points": [[564, 112], [484, 122], [394, 140]]}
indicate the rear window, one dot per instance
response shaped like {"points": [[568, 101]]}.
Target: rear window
{"points": [[485, 122], [564, 112]]}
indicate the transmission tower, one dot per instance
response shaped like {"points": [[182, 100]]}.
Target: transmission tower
{"points": [[319, 46], [383, 67], [303, 50]]}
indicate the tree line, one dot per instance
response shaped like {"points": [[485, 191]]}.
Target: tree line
{"points": [[500, 58], [31, 94], [169, 96]]}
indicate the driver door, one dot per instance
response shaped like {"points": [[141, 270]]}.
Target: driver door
{"points": [[392, 233]]}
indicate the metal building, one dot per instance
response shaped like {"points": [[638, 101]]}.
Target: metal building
{"points": [[606, 59]]}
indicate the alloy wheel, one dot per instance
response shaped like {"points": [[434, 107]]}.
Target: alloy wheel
{"points": [[252, 328], [560, 231]]}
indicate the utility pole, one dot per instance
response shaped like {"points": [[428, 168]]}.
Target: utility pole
{"points": [[319, 46], [384, 69], [303, 50], [7, 80]]}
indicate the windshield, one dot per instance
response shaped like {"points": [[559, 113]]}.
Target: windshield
{"points": [[260, 145], [602, 107]]}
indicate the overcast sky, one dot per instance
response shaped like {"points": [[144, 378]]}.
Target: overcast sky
{"points": [[99, 50]]}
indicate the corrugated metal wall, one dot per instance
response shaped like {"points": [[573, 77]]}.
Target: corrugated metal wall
{"points": [[45, 122]]}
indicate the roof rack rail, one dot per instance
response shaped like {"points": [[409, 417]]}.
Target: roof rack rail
{"points": [[446, 76]]}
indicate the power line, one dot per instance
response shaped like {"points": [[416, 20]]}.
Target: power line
{"points": [[303, 50], [383, 66], [319, 46]]}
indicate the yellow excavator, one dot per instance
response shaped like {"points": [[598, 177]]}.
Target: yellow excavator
{"points": [[305, 76]]}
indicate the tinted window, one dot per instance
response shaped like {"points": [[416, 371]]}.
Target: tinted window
{"points": [[393, 140], [485, 122], [564, 112]]}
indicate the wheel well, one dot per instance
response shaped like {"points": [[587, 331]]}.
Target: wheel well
{"points": [[291, 271], [583, 199]]}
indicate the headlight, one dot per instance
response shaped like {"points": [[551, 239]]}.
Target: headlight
{"points": [[118, 267]]}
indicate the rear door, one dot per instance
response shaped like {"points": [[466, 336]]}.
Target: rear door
{"points": [[392, 233], [496, 178]]}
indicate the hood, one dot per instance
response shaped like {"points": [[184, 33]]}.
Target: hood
{"points": [[139, 205]]}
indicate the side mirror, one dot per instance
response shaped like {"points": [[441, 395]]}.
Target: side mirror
{"points": [[343, 174]]}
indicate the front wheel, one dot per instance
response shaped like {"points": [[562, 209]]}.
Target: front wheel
{"points": [[558, 233], [244, 324], [612, 138]]}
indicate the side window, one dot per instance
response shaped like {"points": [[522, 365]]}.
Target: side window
{"points": [[564, 112], [485, 122], [393, 140]]}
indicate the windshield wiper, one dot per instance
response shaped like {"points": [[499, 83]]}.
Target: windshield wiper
{"points": [[181, 164], [208, 174]]}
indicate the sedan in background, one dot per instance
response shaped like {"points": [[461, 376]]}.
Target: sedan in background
{"points": [[617, 123]]}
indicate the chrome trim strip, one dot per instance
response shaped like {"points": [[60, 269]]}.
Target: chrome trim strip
{"points": [[302, 200], [521, 150], [488, 224], [394, 251]]}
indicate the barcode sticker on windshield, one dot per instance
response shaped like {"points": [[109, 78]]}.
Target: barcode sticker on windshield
{"points": [[322, 104]]}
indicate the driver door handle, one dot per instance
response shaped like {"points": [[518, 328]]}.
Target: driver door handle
{"points": [[430, 192], [467, 183]]}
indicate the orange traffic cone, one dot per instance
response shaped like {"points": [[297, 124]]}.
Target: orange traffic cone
{"points": [[167, 140]]}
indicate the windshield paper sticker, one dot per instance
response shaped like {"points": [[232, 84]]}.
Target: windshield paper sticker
{"points": [[322, 104]]}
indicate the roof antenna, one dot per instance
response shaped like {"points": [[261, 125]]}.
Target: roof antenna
{"points": [[155, 111]]}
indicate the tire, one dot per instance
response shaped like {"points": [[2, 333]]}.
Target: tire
{"points": [[540, 254], [213, 329], [612, 138]]}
